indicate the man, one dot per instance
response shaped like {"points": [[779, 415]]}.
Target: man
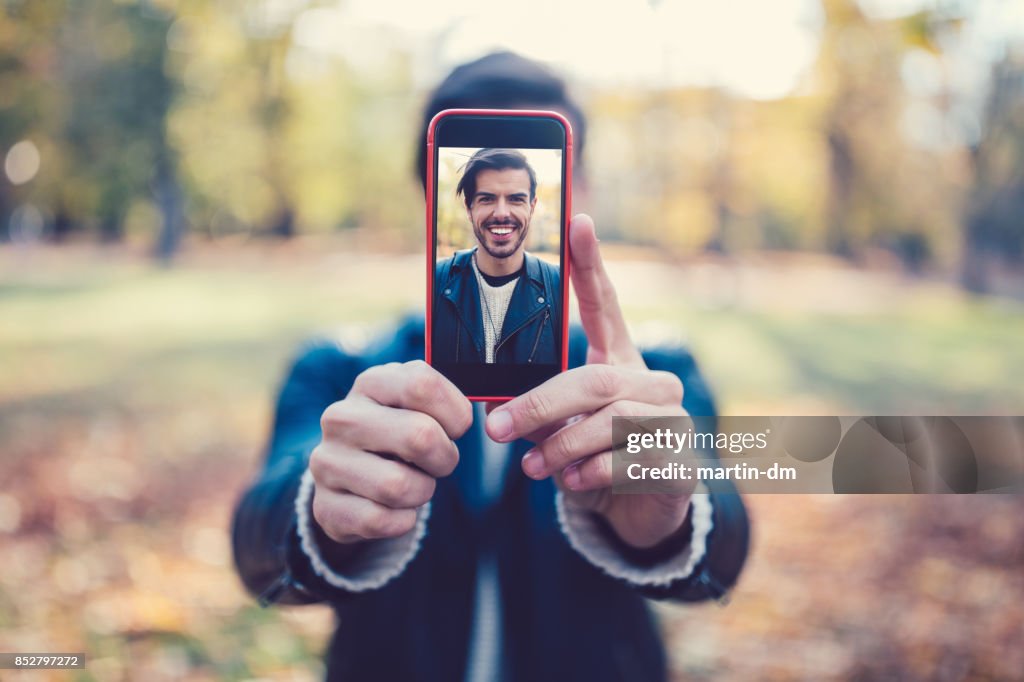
{"points": [[457, 545], [496, 302]]}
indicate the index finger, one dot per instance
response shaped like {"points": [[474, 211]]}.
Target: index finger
{"points": [[580, 391], [418, 386], [607, 334]]}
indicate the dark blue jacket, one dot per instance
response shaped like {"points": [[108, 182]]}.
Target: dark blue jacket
{"points": [[563, 618], [530, 331]]}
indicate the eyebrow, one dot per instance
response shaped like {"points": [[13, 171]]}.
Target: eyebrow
{"points": [[492, 195]]}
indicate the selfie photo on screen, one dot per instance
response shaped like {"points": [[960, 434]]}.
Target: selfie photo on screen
{"points": [[497, 285]]}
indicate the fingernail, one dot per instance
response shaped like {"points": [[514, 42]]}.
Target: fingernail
{"points": [[499, 424], [572, 477], [533, 464]]}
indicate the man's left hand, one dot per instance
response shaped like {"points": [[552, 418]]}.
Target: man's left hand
{"points": [[569, 417]]}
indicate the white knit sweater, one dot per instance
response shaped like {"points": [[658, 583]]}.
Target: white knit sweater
{"points": [[493, 307]]}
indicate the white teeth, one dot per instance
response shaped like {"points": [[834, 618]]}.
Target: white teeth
{"points": [[501, 230]]}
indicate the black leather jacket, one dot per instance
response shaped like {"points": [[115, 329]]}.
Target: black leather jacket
{"points": [[531, 332]]}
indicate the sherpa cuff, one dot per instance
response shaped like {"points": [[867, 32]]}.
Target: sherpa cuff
{"points": [[586, 537], [374, 565]]}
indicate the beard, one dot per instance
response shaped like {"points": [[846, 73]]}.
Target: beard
{"points": [[504, 248]]}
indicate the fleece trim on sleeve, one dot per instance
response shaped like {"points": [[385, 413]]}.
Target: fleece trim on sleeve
{"points": [[374, 566], [586, 537]]}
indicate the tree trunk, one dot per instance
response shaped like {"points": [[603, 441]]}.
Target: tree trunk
{"points": [[170, 202]]}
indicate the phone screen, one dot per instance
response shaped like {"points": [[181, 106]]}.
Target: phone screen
{"points": [[498, 250]]}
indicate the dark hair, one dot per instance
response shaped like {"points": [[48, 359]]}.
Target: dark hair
{"points": [[493, 159], [501, 80]]}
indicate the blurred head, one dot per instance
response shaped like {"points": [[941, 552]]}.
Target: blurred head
{"points": [[501, 80], [500, 191]]}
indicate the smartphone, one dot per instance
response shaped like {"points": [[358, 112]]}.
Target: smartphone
{"points": [[499, 185]]}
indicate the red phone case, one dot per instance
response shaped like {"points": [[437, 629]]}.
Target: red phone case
{"points": [[431, 227]]}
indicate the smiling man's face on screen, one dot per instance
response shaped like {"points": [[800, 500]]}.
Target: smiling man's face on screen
{"points": [[499, 187], [500, 212]]}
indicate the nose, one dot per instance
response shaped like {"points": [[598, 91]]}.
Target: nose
{"points": [[502, 208]]}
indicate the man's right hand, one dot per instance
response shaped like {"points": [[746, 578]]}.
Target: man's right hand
{"points": [[383, 448]]}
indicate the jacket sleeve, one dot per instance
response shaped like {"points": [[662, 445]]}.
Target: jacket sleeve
{"points": [[728, 539], [265, 540], [725, 552], [703, 561]]}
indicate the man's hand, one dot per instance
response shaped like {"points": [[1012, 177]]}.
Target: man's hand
{"points": [[569, 417], [383, 447]]}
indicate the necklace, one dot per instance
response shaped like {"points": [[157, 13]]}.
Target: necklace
{"points": [[483, 297]]}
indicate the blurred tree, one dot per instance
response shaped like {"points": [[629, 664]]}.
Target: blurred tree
{"points": [[889, 171], [27, 100], [115, 97], [279, 135], [720, 183], [862, 78], [270, 41], [994, 224], [85, 84]]}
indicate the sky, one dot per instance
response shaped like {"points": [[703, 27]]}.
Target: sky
{"points": [[756, 48]]}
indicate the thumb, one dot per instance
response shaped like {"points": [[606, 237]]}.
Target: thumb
{"points": [[599, 305]]}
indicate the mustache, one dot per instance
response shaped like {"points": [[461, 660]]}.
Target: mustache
{"points": [[509, 222]]}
